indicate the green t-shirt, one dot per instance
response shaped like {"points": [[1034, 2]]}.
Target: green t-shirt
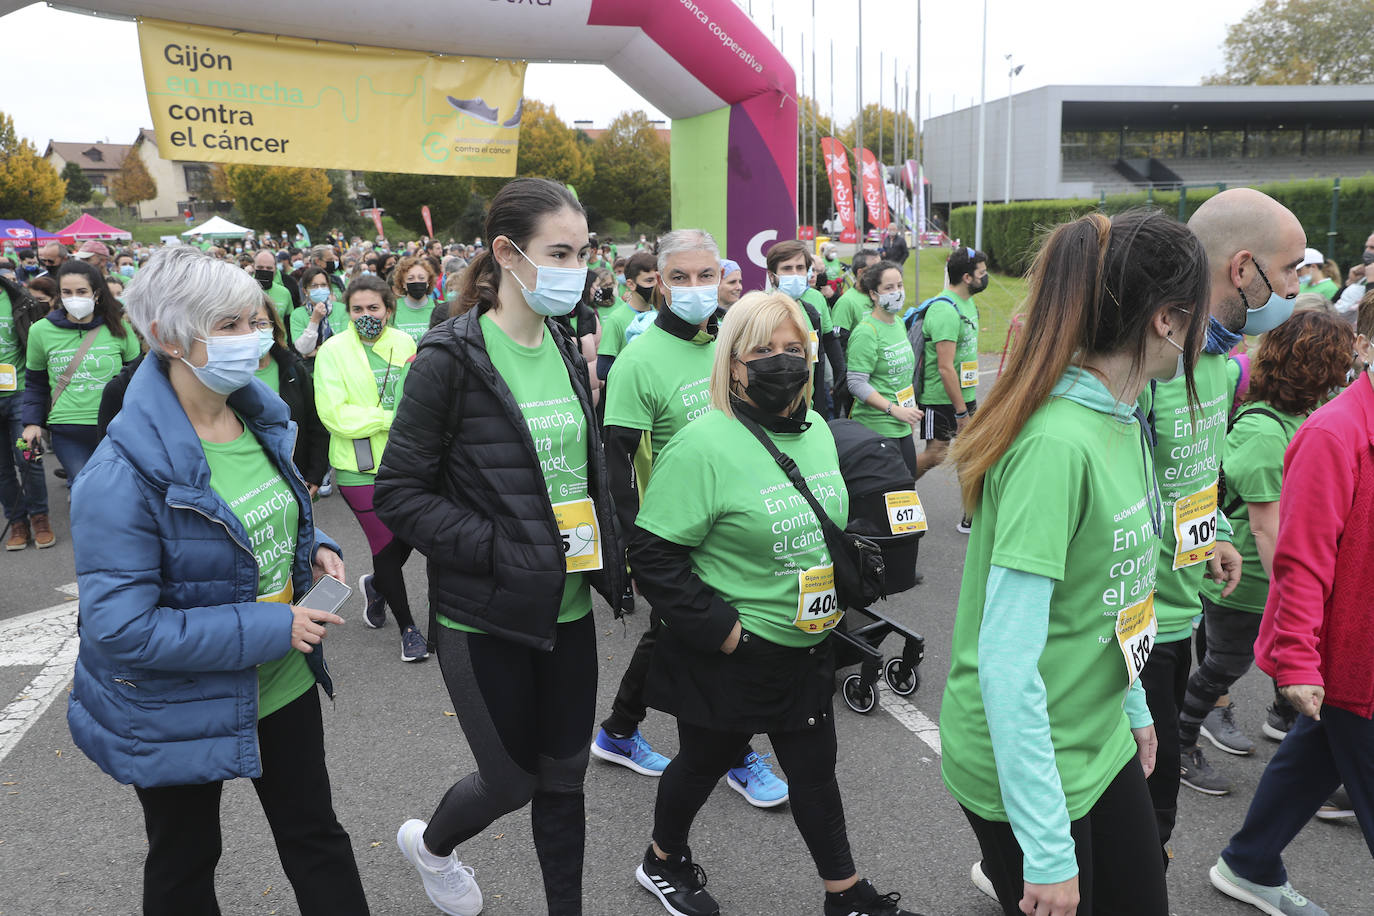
{"points": [[245, 478], [850, 308], [715, 489], [50, 350], [813, 298], [833, 269], [270, 376], [388, 380], [414, 321], [1254, 474], [613, 325], [11, 358], [1186, 462], [660, 384], [538, 378], [881, 349], [280, 296], [957, 322], [337, 319], [1327, 287], [1069, 501]]}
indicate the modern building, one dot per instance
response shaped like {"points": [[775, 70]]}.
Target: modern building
{"points": [[99, 161], [1082, 141]]}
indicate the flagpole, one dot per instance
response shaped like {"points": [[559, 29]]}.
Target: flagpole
{"points": [[982, 133], [859, 129]]}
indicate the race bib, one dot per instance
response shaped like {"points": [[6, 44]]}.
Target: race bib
{"points": [[1135, 633], [581, 537], [9, 378], [968, 374], [907, 396], [905, 514], [815, 345], [1195, 527], [818, 608]]}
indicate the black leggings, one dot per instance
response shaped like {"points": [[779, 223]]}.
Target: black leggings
{"points": [[388, 575], [807, 758], [1165, 679], [184, 835], [1119, 869], [527, 716]]}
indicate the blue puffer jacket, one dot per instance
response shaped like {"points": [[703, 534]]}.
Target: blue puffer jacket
{"points": [[166, 689]]}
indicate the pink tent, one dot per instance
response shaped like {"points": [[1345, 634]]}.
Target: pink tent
{"points": [[87, 228]]}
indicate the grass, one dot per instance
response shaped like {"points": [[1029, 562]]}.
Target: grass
{"points": [[1004, 297]]}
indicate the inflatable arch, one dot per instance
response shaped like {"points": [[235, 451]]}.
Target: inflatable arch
{"points": [[730, 93]]}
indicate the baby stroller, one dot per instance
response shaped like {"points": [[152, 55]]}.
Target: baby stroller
{"points": [[883, 505]]}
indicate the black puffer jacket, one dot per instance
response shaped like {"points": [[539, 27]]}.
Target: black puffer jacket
{"points": [[26, 310], [460, 481]]}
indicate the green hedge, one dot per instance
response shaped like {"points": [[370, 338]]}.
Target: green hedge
{"points": [[1012, 232]]}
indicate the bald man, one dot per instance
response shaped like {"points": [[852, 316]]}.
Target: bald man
{"points": [[1254, 246], [50, 258]]}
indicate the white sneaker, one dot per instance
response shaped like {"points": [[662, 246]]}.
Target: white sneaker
{"points": [[450, 888], [980, 880]]}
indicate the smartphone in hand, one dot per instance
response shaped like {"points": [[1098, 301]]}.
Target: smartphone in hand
{"points": [[327, 594]]}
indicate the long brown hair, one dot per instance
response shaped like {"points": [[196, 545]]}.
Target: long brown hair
{"points": [[1095, 285]]}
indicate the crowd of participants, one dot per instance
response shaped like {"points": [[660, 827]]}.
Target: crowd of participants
{"points": [[542, 418]]}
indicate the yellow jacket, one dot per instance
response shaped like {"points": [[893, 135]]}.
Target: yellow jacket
{"points": [[346, 392]]}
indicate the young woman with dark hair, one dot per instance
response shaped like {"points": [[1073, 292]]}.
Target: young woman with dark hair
{"points": [[1044, 724], [496, 473]]}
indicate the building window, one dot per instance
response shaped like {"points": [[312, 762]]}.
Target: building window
{"points": [[198, 181]]}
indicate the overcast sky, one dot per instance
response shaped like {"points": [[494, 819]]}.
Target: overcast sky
{"points": [[87, 82]]}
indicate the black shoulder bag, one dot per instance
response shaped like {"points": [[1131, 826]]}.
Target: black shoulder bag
{"points": [[860, 574]]}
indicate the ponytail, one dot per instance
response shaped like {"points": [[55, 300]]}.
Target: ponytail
{"points": [[478, 285]]}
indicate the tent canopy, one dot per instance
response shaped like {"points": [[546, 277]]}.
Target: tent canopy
{"points": [[217, 227], [88, 227], [22, 233]]}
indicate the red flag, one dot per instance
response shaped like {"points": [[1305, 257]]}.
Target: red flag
{"points": [[429, 226], [875, 196], [376, 214], [837, 170]]}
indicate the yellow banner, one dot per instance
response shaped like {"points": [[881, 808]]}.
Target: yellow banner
{"points": [[222, 96]]}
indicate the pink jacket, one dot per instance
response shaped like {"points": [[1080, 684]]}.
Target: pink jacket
{"points": [[1318, 625]]}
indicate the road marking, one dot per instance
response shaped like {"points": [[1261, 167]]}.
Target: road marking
{"points": [[48, 638], [915, 721]]}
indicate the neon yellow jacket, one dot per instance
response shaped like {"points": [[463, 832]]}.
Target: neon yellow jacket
{"points": [[346, 392]]}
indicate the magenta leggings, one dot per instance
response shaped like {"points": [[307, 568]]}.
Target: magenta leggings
{"points": [[359, 499], [389, 553]]}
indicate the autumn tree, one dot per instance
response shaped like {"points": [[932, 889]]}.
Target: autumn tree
{"points": [[402, 194], [219, 183], [132, 183], [549, 148], [78, 185], [273, 198], [343, 207], [878, 123], [811, 163], [30, 188], [631, 172], [1299, 42]]}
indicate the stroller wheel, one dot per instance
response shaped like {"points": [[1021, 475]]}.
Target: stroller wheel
{"points": [[857, 697], [903, 680]]}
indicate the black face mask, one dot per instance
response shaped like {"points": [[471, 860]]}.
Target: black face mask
{"points": [[264, 276], [977, 286], [331, 266], [775, 381], [645, 292], [417, 289]]}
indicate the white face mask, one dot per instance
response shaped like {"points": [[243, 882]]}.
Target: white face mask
{"points": [[892, 302], [79, 307]]}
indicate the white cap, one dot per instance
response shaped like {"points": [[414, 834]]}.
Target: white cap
{"points": [[1312, 256]]}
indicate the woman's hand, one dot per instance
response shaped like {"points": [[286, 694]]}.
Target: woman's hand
{"points": [[908, 415], [1147, 743], [1306, 699], [307, 627], [318, 312], [327, 563], [312, 489], [732, 641], [31, 434], [1050, 899]]}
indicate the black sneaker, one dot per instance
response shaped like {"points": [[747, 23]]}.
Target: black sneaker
{"points": [[1338, 806], [1278, 721], [679, 884], [864, 900], [1196, 773], [627, 600], [374, 606]]}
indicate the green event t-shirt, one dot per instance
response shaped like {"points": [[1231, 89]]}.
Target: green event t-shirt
{"points": [[51, 348], [270, 376], [245, 478], [1326, 287], [957, 322], [1186, 460], [660, 384], [1069, 500], [851, 307], [414, 321], [813, 298], [833, 269], [388, 380], [337, 319], [281, 297], [1254, 474], [538, 378], [715, 489], [881, 349], [613, 326], [11, 357]]}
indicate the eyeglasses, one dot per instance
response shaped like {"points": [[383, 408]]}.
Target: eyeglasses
{"points": [[261, 325]]}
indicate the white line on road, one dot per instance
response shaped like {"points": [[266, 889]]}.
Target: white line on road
{"points": [[915, 721], [48, 638]]}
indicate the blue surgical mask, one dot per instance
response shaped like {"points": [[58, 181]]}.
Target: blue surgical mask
{"points": [[297, 265], [1274, 312], [556, 289], [794, 285], [694, 304], [230, 362], [1220, 341], [620, 278], [127, 270], [319, 294], [265, 341]]}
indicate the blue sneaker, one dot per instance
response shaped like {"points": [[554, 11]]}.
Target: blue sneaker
{"points": [[374, 606], [757, 783], [632, 752]]}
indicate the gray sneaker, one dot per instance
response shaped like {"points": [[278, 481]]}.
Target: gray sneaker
{"points": [[1196, 773], [1220, 728], [1276, 901], [1338, 806]]}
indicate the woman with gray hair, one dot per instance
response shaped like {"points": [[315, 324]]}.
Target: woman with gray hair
{"points": [[193, 540]]}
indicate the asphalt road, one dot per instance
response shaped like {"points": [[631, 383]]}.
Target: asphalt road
{"points": [[71, 839]]}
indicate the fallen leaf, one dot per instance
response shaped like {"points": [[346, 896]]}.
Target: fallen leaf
{"points": [[9, 783], [268, 891], [374, 845], [498, 836], [58, 753], [447, 713]]}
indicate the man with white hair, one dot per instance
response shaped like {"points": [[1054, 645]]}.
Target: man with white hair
{"points": [[658, 385]]}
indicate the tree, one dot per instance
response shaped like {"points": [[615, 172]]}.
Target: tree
{"points": [[342, 213], [811, 163], [1299, 42], [402, 195], [631, 172], [132, 183], [273, 198], [889, 120], [78, 185], [549, 148], [219, 183], [30, 188]]}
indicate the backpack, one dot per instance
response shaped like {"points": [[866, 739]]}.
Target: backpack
{"points": [[1228, 508], [915, 320]]}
